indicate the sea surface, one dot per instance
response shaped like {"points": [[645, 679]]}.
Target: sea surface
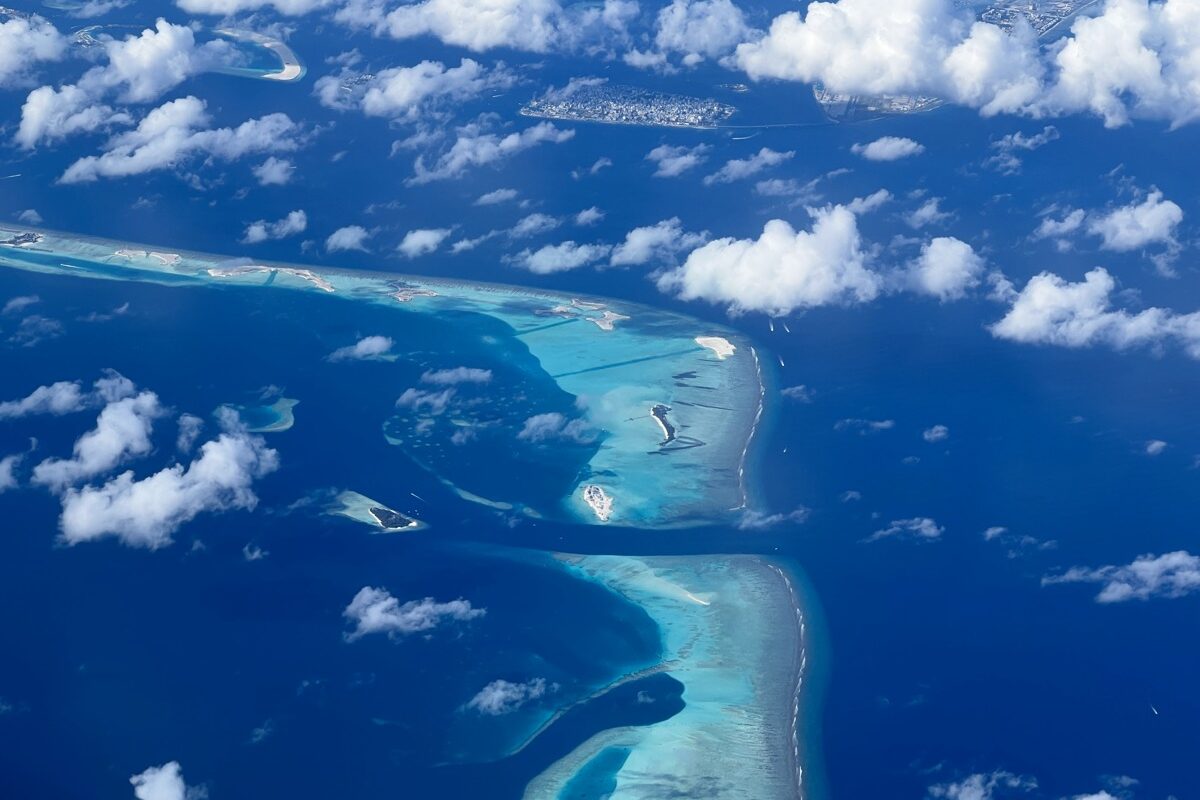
{"points": [[936, 659]]}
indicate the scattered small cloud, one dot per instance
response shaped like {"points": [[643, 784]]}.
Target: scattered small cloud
{"points": [[1170, 575], [375, 610], [504, 697], [888, 148], [918, 528], [368, 348]]}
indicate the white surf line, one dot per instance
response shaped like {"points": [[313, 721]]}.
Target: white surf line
{"points": [[762, 398], [799, 682]]}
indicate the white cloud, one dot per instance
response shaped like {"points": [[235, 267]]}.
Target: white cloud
{"points": [[781, 271], [554, 426], [533, 225], [982, 786], [190, 427], [496, 197], [474, 148], [274, 172], [504, 697], [25, 41], [368, 348], [1155, 447], [589, 216], [164, 783], [122, 432], [1134, 59], [294, 223], [351, 237], [8, 472], [758, 520], [946, 269], [409, 93], [888, 148], [146, 512], [929, 213], [434, 402], [1051, 228], [1051, 310], [375, 610], [700, 29], [422, 241], [737, 169], [674, 160], [800, 393], [140, 68], [477, 25], [175, 132], [920, 528], [865, 205], [864, 426], [30, 216], [1148, 576], [456, 375], [559, 257], [938, 433], [658, 242], [1132, 227], [16, 305], [291, 8], [1007, 147]]}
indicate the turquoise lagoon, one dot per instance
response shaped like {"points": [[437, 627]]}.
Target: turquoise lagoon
{"points": [[611, 362]]}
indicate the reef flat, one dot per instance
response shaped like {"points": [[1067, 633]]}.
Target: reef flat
{"points": [[616, 360], [734, 635]]}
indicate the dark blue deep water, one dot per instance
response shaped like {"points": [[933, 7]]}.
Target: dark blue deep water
{"points": [[942, 658]]}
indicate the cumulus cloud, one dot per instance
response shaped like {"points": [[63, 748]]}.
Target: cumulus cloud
{"points": [[190, 427], [1155, 447], [946, 269], [800, 393], [24, 42], [938, 433], [8, 471], [700, 29], [929, 213], [291, 8], [982, 786], [560, 257], [1132, 227], [504, 697], [759, 520], [122, 432], [674, 160], [658, 242], [589, 216], [274, 172], [368, 348], [555, 426], [456, 375], [146, 512], [139, 68], [16, 305], [176, 132], [164, 783], [422, 241], [477, 25], [408, 94], [920, 528], [533, 225], [1007, 159], [1133, 59], [1051, 310], [351, 237], [737, 169], [496, 197], [432, 402], [864, 426], [1148, 576], [262, 231], [473, 148], [1051, 228], [888, 148], [781, 271], [375, 610]]}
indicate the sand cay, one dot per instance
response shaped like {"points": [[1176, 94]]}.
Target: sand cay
{"points": [[732, 634]]}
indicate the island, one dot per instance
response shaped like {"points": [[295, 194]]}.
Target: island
{"points": [[596, 100]]}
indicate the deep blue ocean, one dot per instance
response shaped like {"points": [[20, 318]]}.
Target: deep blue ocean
{"points": [[942, 658]]}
